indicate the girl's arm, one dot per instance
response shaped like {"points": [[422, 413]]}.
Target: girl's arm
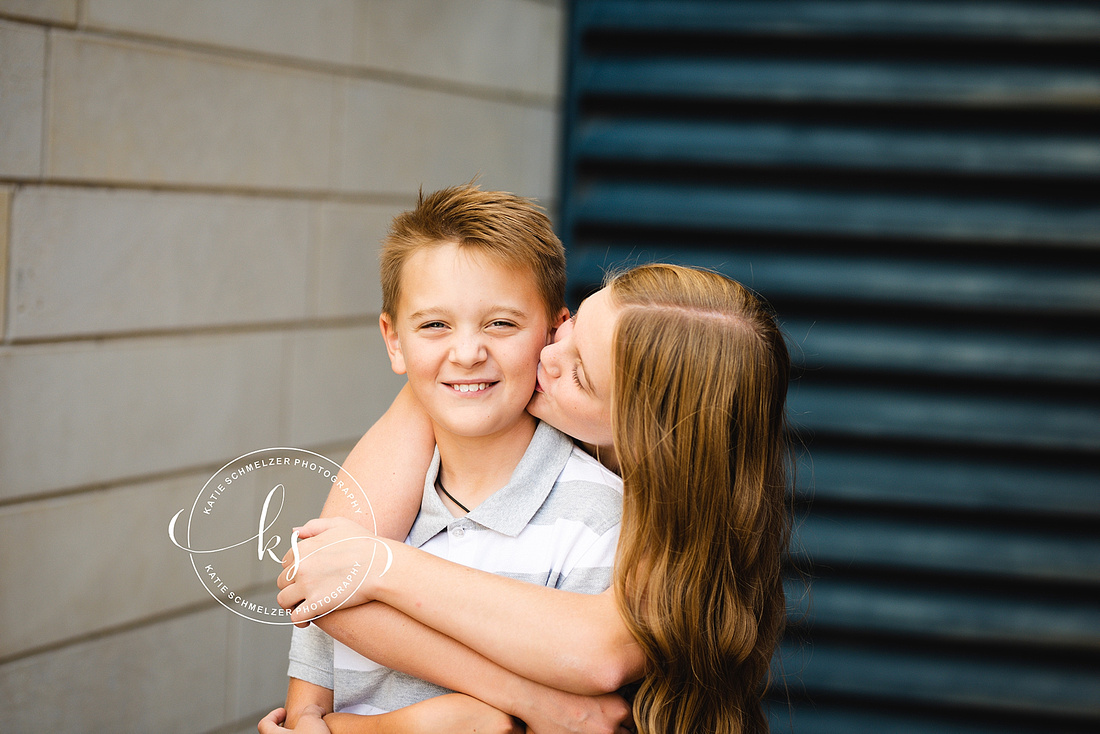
{"points": [[453, 713], [391, 459], [392, 639], [569, 641]]}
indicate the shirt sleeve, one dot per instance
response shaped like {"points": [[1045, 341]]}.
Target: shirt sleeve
{"points": [[311, 656]]}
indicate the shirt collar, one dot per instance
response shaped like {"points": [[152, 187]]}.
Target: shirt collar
{"points": [[510, 508]]}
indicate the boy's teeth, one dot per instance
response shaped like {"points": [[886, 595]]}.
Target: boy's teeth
{"points": [[472, 388]]}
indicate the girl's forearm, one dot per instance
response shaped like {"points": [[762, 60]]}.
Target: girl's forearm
{"points": [[396, 641], [570, 641], [393, 639]]}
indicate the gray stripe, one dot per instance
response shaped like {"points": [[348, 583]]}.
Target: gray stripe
{"points": [[587, 580], [581, 580], [596, 505], [384, 689], [310, 647]]}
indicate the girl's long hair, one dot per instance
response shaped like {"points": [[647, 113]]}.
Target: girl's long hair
{"points": [[700, 384]]}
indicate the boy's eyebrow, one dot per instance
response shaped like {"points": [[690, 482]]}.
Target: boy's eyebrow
{"points": [[496, 310], [509, 311], [424, 312]]}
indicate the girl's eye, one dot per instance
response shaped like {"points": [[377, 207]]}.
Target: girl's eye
{"points": [[577, 378]]}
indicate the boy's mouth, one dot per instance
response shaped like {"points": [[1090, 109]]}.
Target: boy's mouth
{"points": [[468, 387]]}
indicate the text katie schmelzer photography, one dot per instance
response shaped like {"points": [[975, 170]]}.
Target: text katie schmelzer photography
{"points": [[262, 497]]}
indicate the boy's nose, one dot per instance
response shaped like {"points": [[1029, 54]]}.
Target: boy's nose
{"points": [[468, 351]]}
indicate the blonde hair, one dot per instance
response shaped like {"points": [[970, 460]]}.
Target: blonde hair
{"points": [[512, 230], [700, 383]]}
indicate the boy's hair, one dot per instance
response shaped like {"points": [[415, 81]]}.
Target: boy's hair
{"points": [[512, 230]]}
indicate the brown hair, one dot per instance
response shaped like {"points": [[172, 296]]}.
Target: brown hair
{"points": [[513, 230], [700, 384]]}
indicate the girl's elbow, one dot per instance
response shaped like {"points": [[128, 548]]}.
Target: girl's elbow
{"points": [[615, 668]]}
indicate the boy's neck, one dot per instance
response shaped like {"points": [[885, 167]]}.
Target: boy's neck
{"points": [[473, 468]]}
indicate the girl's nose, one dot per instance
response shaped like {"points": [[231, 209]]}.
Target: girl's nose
{"points": [[550, 360]]}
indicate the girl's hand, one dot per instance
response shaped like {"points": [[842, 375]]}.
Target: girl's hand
{"points": [[558, 712], [310, 722], [332, 564]]}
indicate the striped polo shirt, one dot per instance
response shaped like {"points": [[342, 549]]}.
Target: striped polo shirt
{"points": [[556, 523]]}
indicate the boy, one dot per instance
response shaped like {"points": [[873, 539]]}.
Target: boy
{"points": [[472, 283]]}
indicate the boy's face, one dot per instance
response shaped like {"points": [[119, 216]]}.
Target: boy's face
{"points": [[468, 333]]}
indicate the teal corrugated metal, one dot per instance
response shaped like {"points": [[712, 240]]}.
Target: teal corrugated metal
{"points": [[915, 186]]}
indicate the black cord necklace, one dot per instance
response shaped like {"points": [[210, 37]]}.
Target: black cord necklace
{"points": [[450, 496]]}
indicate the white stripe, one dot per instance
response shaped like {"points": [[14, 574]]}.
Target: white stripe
{"points": [[364, 709], [345, 658], [582, 467], [539, 549]]}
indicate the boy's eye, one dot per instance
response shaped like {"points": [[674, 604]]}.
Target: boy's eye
{"points": [[501, 323], [433, 325]]}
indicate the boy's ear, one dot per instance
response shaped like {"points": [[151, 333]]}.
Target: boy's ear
{"points": [[393, 345], [562, 317]]}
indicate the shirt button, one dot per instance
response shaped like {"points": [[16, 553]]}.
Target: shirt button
{"points": [[458, 532]]}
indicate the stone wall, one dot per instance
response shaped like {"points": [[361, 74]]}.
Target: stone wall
{"points": [[191, 197]]}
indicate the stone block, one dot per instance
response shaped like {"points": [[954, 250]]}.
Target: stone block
{"points": [[171, 676], [53, 11], [248, 724], [5, 218], [84, 413], [320, 30], [341, 383], [492, 43], [260, 655], [347, 258], [22, 85], [95, 261], [510, 45], [397, 139], [128, 112], [98, 559]]}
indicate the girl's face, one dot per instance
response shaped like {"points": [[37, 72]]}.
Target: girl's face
{"points": [[573, 392]]}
